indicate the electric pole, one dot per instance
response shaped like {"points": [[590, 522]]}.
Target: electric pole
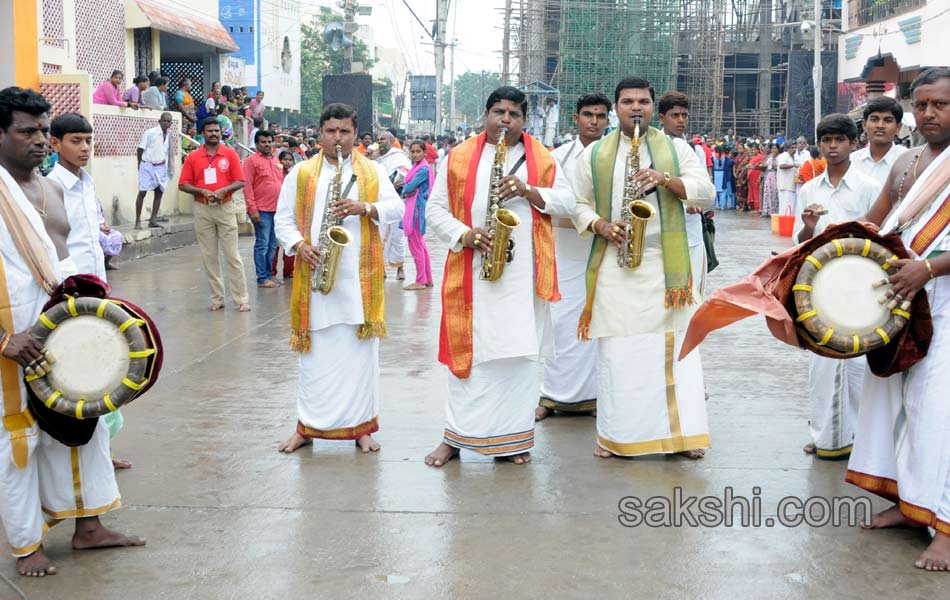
{"points": [[349, 28], [441, 14]]}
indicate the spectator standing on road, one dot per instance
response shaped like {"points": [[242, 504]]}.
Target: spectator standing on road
{"points": [[156, 165], [264, 175], [211, 174]]}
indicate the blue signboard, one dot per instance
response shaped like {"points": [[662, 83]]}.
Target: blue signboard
{"points": [[240, 18]]}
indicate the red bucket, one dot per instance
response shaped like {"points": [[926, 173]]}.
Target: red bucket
{"points": [[786, 223]]}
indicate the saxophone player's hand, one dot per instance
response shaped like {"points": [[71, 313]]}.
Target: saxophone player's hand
{"points": [[612, 231], [307, 253], [478, 239], [647, 180], [346, 208], [510, 187]]}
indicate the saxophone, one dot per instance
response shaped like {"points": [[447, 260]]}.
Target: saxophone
{"points": [[333, 236], [636, 211], [499, 222]]}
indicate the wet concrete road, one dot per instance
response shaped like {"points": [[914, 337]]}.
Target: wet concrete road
{"points": [[227, 517]]}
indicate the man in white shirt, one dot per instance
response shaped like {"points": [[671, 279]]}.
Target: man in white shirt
{"points": [[156, 96], [801, 153], [396, 164], [570, 382], [785, 179], [841, 193], [882, 121], [155, 156]]}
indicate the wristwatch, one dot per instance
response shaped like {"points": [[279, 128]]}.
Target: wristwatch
{"points": [[527, 188], [666, 178], [368, 207]]}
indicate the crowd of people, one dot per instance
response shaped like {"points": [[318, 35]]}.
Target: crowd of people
{"points": [[571, 308]]}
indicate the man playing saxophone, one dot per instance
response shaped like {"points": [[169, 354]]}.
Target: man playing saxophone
{"points": [[494, 328], [637, 314], [337, 316]]}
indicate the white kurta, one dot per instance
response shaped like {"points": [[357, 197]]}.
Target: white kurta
{"points": [[511, 327], [397, 165], [902, 443], [570, 382], [57, 482], [83, 213], [647, 402], [834, 385], [864, 162], [338, 387]]}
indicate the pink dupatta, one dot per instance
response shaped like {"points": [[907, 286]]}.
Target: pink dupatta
{"points": [[409, 217]]}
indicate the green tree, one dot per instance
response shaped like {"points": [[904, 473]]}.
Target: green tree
{"points": [[471, 91], [317, 60]]}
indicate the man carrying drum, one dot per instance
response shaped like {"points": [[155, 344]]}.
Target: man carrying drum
{"points": [[841, 193], [41, 480]]}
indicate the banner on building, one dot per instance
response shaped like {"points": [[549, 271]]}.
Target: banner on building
{"points": [[232, 71]]}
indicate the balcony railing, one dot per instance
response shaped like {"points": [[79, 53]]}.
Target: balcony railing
{"points": [[866, 12]]}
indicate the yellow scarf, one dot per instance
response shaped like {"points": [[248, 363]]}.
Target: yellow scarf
{"points": [[371, 253]]}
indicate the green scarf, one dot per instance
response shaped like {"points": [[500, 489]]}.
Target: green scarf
{"points": [[679, 282]]}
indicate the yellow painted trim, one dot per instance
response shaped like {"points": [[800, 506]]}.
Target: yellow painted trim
{"points": [[132, 321], [108, 402], [801, 287], [142, 354], [867, 247], [26, 49], [814, 261], [79, 405], [806, 316], [838, 247], [883, 334], [900, 313], [662, 446], [827, 336], [52, 398], [77, 480], [71, 305], [102, 308], [84, 512], [132, 385], [857, 343], [45, 321]]}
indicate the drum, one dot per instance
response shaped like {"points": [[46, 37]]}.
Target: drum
{"points": [[103, 353], [840, 297]]}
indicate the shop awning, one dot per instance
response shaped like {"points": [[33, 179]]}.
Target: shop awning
{"points": [[194, 26]]}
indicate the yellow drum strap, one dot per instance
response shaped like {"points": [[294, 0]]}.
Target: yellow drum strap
{"points": [[867, 248], [883, 334], [838, 247], [814, 261], [806, 316], [857, 343], [801, 287], [900, 313]]}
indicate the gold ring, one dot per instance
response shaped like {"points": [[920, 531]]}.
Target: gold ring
{"points": [[477, 241]]}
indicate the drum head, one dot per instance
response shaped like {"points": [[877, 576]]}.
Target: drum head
{"points": [[91, 357], [844, 296]]}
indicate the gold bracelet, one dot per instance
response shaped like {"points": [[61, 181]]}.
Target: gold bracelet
{"points": [[929, 268], [4, 342], [593, 225]]}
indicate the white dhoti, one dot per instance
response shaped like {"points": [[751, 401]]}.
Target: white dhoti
{"points": [[338, 390], [834, 388], [58, 482], [152, 177], [647, 401], [786, 202], [394, 248], [697, 266], [917, 429], [570, 383], [492, 412]]}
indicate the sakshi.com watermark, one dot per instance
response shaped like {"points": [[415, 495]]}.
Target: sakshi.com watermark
{"points": [[736, 510]]}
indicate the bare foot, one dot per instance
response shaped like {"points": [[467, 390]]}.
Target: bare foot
{"points": [[138, 226], [937, 555], [810, 448], [693, 454], [412, 287], [35, 565], [121, 463], [441, 455], [541, 413], [277, 282], [602, 452], [244, 307], [367, 444], [891, 517], [429, 285], [518, 459], [293, 442], [91, 533], [215, 306], [270, 283]]}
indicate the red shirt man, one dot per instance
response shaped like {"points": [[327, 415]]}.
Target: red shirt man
{"points": [[211, 173], [264, 176]]}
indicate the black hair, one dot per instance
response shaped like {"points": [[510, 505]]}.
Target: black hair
{"points": [[634, 83], [160, 81], [181, 82], [929, 77], [671, 100], [507, 92], [209, 121], [258, 122], [596, 99], [116, 72], [226, 90], [883, 104], [338, 110], [262, 133], [67, 123], [814, 151], [837, 123], [362, 135], [284, 153], [153, 76], [139, 79], [417, 143], [15, 99], [292, 142]]}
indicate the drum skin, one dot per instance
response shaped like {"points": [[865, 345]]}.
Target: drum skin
{"points": [[129, 343], [867, 328]]}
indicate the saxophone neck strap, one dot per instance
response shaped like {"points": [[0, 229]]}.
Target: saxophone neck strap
{"points": [[349, 186], [518, 164]]}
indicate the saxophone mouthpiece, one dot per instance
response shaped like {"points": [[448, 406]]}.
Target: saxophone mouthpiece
{"points": [[502, 134]]}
